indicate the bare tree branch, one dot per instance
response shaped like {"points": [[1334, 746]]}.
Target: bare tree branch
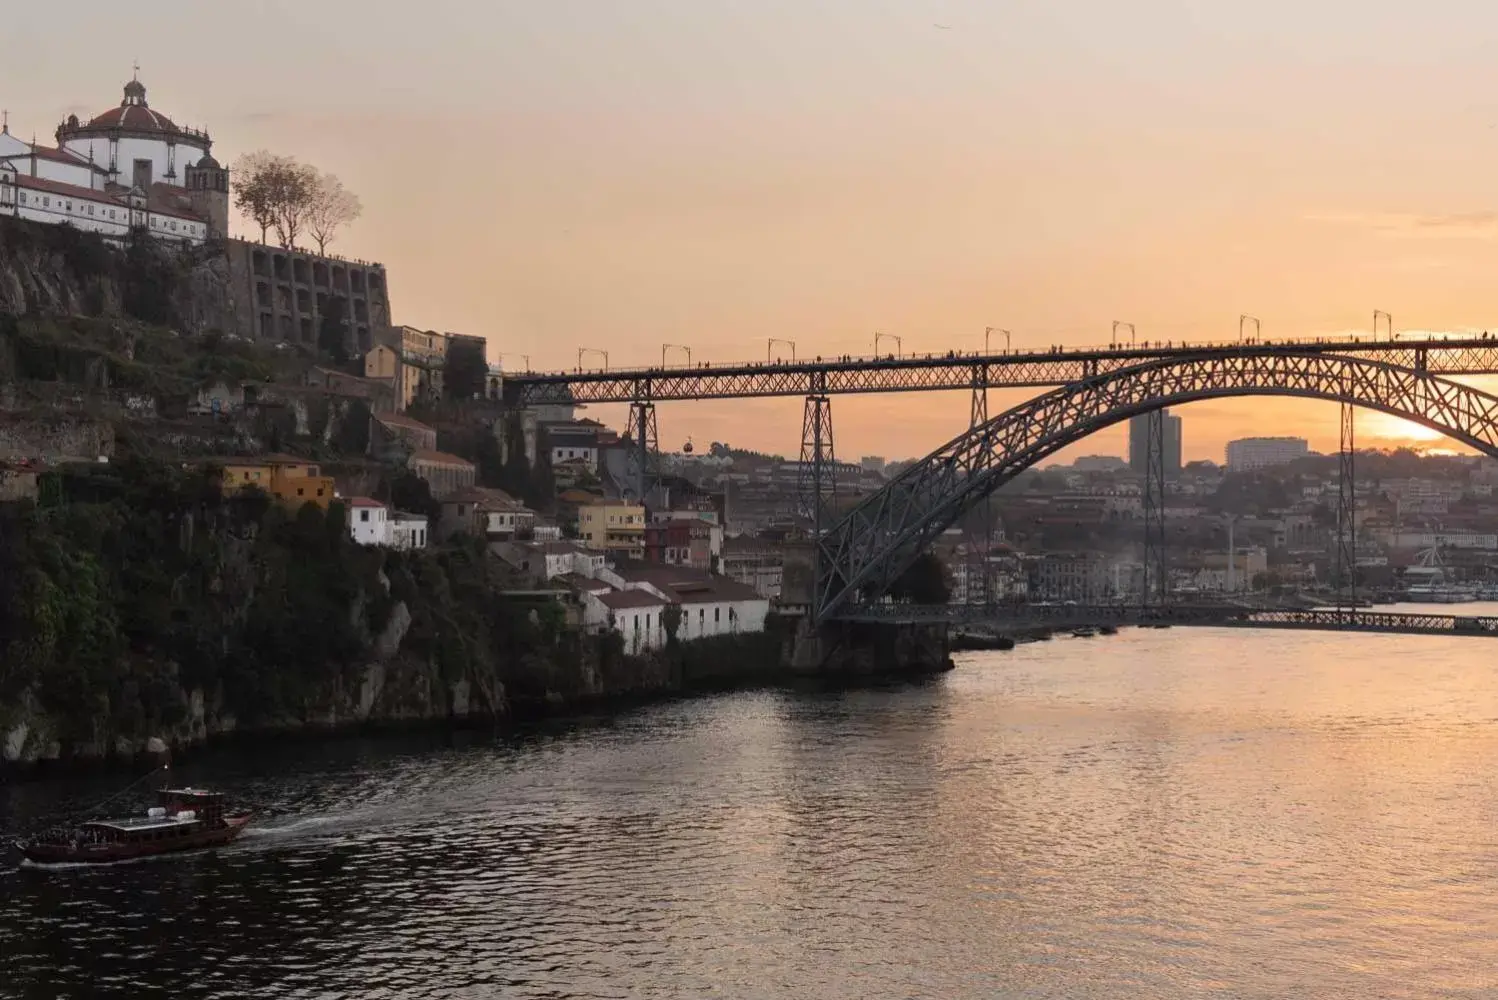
{"points": [[293, 184], [331, 207]]}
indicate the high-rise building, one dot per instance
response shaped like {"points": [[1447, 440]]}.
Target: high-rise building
{"points": [[1139, 443], [1247, 454]]}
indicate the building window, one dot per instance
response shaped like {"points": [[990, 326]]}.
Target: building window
{"points": [[364, 515], [717, 614], [300, 491]]}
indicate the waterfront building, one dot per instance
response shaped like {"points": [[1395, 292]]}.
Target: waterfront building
{"points": [[1100, 463], [755, 564], [613, 526], [127, 169], [292, 481], [408, 531], [481, 512], [368, 521], [444, 473], [1139, 443], [1250, 454]]}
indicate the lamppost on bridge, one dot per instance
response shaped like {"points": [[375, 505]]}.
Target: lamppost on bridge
{"points": [[1388, 323], [1116, 325], [772, 341], [678, 347], [899, 345], [987, 330], [510, 354], [592, 350], [1244, 320]]}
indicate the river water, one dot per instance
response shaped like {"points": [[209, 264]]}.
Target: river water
{"points": [[1175, 813]]}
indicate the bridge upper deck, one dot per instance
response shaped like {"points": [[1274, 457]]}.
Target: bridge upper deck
{"points": [[953, 370]]}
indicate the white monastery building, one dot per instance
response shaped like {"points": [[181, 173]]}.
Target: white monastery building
{"points": [[126, 169]]}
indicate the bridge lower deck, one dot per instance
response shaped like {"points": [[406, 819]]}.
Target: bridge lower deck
{"points": [[1023, 617]]}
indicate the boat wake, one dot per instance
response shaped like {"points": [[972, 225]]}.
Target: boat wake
{"points": [[287, 829]]}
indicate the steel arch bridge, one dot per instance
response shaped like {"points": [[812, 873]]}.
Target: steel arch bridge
{"points": [[868, 549]]}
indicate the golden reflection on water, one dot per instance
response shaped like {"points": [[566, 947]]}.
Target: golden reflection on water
{"points": [[1248, 811], [1177, 813]]}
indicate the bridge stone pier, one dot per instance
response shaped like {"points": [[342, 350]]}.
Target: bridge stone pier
{"points": [[856, 648]]}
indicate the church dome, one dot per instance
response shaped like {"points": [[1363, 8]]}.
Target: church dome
{"points": [[133, 114], [208, 163]]}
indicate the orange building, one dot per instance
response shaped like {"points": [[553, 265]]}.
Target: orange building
{"points": [[292, 481]]}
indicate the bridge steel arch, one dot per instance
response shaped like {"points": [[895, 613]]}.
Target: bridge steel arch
{"points": [[869, 548]]}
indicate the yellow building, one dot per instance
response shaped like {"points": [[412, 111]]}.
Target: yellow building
{"points": [[412, 365], [292, 481], [613, 526]]}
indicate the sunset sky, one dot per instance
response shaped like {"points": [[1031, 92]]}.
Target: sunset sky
{"points": [[623, 173]]}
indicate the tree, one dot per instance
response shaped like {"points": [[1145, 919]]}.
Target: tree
{"points": [[275, 192], [410, 492], [466, 369], [330, 208], [295, 183], [254, 188], [923, 582]]}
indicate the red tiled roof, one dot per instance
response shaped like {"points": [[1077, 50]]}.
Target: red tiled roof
{"points": [[620, 600], [163, 199], [59, 156], [439, 458], [400, 420], [361, 502], [133, 116], [478, 494]]}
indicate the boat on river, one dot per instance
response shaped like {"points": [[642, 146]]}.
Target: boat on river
{"points": [[185, 819]]}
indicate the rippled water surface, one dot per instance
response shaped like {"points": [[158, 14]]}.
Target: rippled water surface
{"points": [[1159, 813]]}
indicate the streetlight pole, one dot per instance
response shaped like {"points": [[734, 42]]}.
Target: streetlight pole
{"points": [[1116, 325], [899, 345], [772, 341], [1388, 323], [592, 350], [1245, 319], [994, 329], [679, 347]]}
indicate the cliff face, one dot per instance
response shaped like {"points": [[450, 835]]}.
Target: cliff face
{"points": [[139, 605], [58, 271]]}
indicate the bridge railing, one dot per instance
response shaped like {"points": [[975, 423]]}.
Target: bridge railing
{"points": [[1140, 348], [1017, 617]]}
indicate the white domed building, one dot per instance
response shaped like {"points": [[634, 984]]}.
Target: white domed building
{"points": [[129, 168]]}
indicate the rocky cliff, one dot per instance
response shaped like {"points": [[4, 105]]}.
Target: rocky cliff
{"points": [[58, 271]]}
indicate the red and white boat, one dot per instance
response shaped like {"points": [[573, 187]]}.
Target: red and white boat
{"points": [[185, 819]]}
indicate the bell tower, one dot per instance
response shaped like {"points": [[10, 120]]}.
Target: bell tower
{"points": [[208, 188]]}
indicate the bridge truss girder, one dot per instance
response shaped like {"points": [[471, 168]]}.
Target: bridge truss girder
{"points": [[880, 537], [915, 373]]}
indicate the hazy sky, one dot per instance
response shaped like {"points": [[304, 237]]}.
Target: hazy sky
{"points": [[623, 173]]}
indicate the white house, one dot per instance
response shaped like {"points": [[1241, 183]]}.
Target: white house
{"points": [[710, 605], [549, 560], [368, 521], [408, 531], [127, 168], [635, 614]]}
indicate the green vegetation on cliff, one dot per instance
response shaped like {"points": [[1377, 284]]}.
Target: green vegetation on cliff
{"points": [[136, 584]]}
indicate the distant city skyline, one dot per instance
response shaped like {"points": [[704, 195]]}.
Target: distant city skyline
{"points": [[596, 174]]}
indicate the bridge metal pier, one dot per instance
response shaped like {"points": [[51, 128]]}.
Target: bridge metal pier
{"points": [[1156, 580], [817, 477], [645, 445], [1346, 556], [978, 566]]}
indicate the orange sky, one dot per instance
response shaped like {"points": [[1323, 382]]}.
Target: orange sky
{"points": [[619, 175]]}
